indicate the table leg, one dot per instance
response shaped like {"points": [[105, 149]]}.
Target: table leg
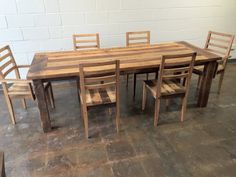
{"points": [[42, 105], [205, 87]]}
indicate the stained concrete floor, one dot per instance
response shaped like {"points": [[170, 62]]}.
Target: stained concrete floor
{"points": [[203, 146]]}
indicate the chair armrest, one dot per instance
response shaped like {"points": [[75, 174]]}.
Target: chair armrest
{"points": [[23, 66], [19, 81]]}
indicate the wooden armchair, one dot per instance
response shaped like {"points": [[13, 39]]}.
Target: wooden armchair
{"points": [[99, 85], [173, 69], [133, 39], [220, 44], [17, 87], [86, 41]]}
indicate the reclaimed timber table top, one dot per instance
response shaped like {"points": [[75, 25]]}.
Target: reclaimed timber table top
{"points": [[63, 64]]}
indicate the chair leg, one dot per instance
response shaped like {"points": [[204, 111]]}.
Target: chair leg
{"points": [[183, 110], [167, 103], [117, 118], [51, 96], [157, 110], [47, 97], [134, 86], [11, 111], [220, 82], [184, 81], [109, 111], [147, 75], [156, 75], [127, 80], [78, 88], [199, 82], [24, 103], [144, 100], [85, 117]]}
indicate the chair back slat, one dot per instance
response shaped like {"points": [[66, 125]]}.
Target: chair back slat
{"points": [[222, 54], [100, 79], [175, 67], [86, 41], [176, 70], [98, 86], [176, 75], [137, 38], [220, 44], [5, 56], [7, 63], [99, 76], [8, 71]]}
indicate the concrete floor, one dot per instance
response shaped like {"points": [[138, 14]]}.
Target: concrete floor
{"points": [[203, 146]]}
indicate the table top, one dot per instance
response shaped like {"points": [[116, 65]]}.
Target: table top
{"points": [[63, 64]]}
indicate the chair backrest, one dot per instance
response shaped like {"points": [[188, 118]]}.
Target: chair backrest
{"points": [[220, 44], [100, 75], [86, 41], [137, 38], [7, 63], [176, 67]]}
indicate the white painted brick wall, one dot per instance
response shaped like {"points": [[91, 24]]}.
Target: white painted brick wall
{"points": [[77, 5], [8, 7], [30, 26], [3, 23], [32, 6], [10, 35], [47, 20], [35, 33], [18, 21], [51, 6]]}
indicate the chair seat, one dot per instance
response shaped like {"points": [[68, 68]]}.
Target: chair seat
{"points": [[100, 96], [170, 87], [20, 89], [199, 69]]}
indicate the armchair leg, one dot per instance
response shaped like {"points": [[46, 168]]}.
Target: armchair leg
{"points": [[78, 88], [220, 82], [85, 117], [144, 100], [117, 118], [10, 108], [157, 111], [24, 103], [183, 110]]}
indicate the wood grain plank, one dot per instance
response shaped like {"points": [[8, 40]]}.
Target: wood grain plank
{"points": [[65, 64]]}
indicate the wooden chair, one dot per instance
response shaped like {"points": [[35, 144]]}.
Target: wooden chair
{"points": [[99, 85], [18, 88], [136, 39], [220, 44], [86, 41], [173, 69]]}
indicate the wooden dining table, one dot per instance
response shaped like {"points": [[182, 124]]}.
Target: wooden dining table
{"points": [[52, 66]]}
